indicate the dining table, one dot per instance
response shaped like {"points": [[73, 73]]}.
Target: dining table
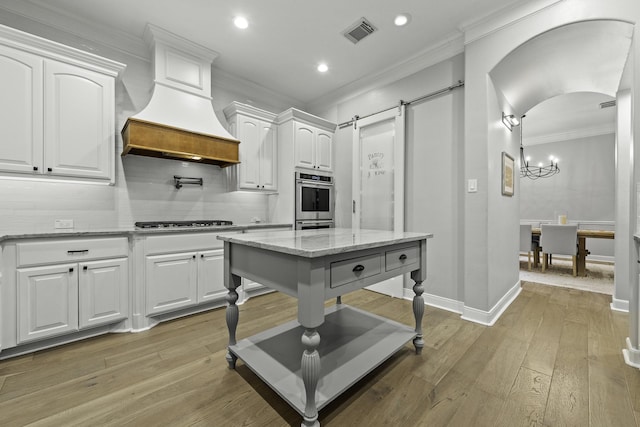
{"points": [[581, 257]]}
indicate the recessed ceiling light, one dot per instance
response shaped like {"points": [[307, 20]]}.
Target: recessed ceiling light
{"points": [[323, 68], [402, 19], [240, 22]]}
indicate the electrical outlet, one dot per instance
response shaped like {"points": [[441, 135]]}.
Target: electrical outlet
{"points": [[64, 223]]}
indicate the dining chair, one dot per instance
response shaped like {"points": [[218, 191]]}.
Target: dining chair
{"points": [[559, 239], [526, 243]]}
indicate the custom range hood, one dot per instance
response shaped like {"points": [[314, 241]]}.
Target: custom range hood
{"points": [[179, 121]]}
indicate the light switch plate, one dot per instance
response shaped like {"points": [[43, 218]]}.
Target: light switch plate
{"points": [[472, 186], [63, 223]]}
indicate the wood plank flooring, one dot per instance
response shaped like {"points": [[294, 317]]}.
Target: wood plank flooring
{"points": [[553, 359]]}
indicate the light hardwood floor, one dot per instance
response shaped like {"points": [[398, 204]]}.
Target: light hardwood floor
{"points": [[553, 359]]}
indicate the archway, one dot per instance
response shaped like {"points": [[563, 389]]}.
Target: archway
{"points": [[587, 56]]}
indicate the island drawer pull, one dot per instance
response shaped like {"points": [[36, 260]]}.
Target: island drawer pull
{"points": [[81, 251], [358, 268], [402, 257]]}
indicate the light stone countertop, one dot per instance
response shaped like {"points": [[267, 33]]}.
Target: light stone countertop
{"points": [[318, 243], [137, 231]]}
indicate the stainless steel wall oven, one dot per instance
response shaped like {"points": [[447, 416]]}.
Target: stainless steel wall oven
{"points": [[314, 200]]}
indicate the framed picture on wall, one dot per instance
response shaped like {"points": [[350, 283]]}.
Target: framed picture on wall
{"points": [[507, 175]]}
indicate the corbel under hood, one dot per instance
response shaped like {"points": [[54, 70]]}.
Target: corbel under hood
{"points": [[179, 121]]}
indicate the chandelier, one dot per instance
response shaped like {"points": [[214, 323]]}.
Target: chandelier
{"points": [[539, 171]]}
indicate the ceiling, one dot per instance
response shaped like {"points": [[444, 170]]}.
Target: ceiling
{"points": [[559, 78], [571, 116], [286, 39]]}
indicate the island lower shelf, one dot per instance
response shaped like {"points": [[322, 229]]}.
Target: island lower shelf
{"points": [[353, 342]]}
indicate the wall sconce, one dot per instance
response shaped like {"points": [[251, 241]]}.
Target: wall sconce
{"points": [[510, 121]]}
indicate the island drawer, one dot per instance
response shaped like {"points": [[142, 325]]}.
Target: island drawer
{"points": [[350, 270], [402, 257], [73, 250]]}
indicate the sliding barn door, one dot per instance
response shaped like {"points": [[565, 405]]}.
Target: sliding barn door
{"points": [[378, 179]]}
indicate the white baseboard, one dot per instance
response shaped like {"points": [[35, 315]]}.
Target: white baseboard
{"points": [[488, 318], [620, 305], [631, 355], [436, 301]]}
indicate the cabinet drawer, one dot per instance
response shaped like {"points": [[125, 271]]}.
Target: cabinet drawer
{"points": [[347, 271], [55, 251], [404, 257]]}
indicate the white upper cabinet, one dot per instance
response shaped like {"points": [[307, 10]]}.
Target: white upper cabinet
{"points": [[57, 109], [258, 151], [310, 138], [78, 122], [20, 111]]}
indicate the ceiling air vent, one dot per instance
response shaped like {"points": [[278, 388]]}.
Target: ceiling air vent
{"points": [[359, 30], [608, 104]]}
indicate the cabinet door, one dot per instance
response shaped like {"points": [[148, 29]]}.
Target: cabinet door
{"points": [[20, 111], [324, 144], [78, 122], [171, 282], [103, 292], [249, 135], [47, 301], [304, 145], [210, 275], [268, 156]]}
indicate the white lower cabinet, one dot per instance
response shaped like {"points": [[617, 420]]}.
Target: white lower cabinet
{"points": [[67, 297], [102, 292], [177, 280], [210, 275], [171, 282], [47, 301]]}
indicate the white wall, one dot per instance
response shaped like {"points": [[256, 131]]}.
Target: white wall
{"points": [[585, 187]]}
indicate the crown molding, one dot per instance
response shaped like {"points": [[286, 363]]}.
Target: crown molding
{"points": [[434, 54], [503, 17], [47, 16], [50, 49], [570, 135], [231, 82]]}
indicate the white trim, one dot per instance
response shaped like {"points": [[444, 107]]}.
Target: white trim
{"points": [[436, 301], [42, 13], [500, 19], [432, 55], [488, 318], [620, 305], [569, 135], [631, 355], [223, 80]]}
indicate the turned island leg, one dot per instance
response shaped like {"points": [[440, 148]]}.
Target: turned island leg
{"points": [[232, 315], [418, 312], [310, 376]]}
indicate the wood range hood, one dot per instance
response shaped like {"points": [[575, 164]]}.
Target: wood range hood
{"points": [[179, 121]]}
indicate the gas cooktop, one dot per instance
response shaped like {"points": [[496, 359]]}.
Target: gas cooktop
{"points": [[182, 224]]}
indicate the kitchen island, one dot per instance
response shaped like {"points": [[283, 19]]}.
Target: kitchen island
{"points": [[311, 361]]}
